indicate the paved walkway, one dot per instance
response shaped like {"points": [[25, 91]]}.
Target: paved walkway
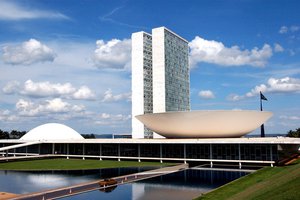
{"points": [[94, 185]]}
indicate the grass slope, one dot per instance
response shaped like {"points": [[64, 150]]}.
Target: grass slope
{"points": [[72, 164], [268, 183]]}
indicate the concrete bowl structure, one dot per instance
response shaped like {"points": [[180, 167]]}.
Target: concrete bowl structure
{"points": [[205, 124]]}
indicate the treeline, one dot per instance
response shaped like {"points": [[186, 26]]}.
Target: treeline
{"points": [[14, 134], [295, 133], [88, 136]]}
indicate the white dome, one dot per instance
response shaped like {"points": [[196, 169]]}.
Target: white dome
{"points": [[52, 131]]}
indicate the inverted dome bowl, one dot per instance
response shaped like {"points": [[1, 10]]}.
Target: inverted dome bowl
{"points": [[205, 124]]}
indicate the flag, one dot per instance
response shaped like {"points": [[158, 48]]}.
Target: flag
{"points": [[262, 97]]}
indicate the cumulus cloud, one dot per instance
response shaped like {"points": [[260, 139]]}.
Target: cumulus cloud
{"points": [[6, 115], [110, 97], [211, 51], [285, 29], [11, 87], [12, 11], [47, 89], [278, 48], [114, 54], [294, 28], [29, 52], [289, 117], [117, 117], [206, 94], [84, 93], [111, 119], [57, 105], [283, 85]]}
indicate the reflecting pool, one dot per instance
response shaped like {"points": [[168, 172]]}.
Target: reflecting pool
{"points": [[182, 185], [21, 182], [186, 184]]}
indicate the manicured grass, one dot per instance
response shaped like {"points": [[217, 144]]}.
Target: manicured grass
{"points": [[275, 183], [73, 164]]}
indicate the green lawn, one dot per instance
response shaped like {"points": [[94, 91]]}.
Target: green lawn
{"points": [[72, 164], [275, 183]]}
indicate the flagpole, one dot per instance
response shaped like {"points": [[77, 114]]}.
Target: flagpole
{"points": [[262, 128]]}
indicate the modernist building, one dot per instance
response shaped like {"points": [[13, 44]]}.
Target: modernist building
{"points": [[57, 140], [142, 90], [160, 76]]}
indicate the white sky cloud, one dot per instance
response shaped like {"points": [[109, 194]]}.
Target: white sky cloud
{"points": [[12, 11], [285, 29], [112, 119], [278, 48], [29, 52], [289, 117], [6, 115], [283, 85], [294, 28], [47, 89], [84, 93], [114, 54], [206, 94], [110, 97], [29, 108], [211, 51]]}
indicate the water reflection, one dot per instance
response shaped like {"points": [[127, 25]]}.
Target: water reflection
{"points": [[22, 182], [187, 184]]}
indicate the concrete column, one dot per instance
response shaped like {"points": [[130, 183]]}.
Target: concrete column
{"points": [[119, 152], [160, 153], [139, 152], [100, 151], [184, 153], [210, 155], [68, 150], [271, 153], [53, 148], [240, 164], [39, 149], [26, 150], [83, 151]]}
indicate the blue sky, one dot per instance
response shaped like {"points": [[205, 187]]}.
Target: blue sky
{"points": [[68, 61]]}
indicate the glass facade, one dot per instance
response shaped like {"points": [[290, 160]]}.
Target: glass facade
{"points": [[148, 88], [160, 151], [177, 79]]}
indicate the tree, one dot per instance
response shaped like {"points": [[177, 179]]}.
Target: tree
{"points": [[14, 134], [88, 136], [4, 134], [295, 133]]}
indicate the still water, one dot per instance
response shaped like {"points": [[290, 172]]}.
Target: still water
{"points": [[182, 185]]}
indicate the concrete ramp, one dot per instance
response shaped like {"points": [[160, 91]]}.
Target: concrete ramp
{"points": [[15, 146], [94, 185]]}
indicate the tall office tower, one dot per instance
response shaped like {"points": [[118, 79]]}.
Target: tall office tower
{"points": [[141, 82], [160, 76], [171, 80]]}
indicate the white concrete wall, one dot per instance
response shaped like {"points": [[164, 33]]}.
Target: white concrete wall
{"points": [[158, 66], [137, 84], [158, 63]]}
